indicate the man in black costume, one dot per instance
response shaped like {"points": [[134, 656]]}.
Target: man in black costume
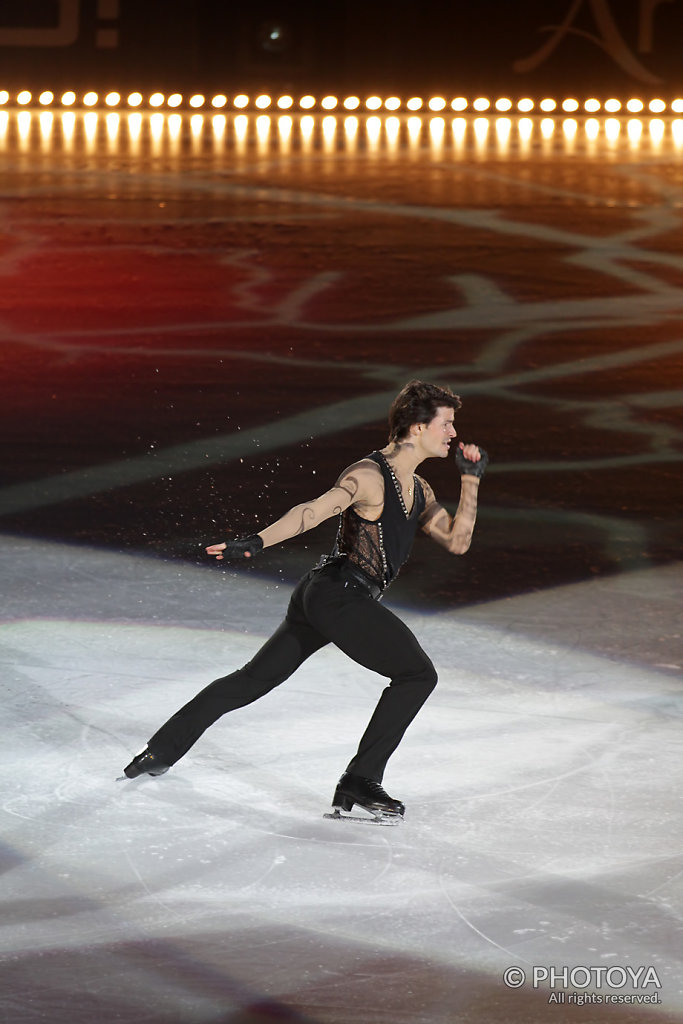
{"points": [[381, 502]]}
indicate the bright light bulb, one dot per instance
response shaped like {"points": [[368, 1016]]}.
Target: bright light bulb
{"points": [[481, 128], [262, 128], [503, 103], [525, 105], [135, 126], [373, 103], [262, 102], [592, 128], [414, 103], [569, 105], [112, 99], [241, 126], [634, 130], [459, 103], [437, 129], [437, 103], [459, 129], [657, 106], [350, 128], [503, 129], [156, 127], [635, 106], [112, 122], [351, 103], [570, 126], [24, 125], [68, 120], [592, 106], [677, 106], [525, 127], [135, 99], [285, 102], [4, 96], [392, 103], [548, 104], [220, 99], [24, 98], [156, 99], [175, 99], [612, 129], [329, 127], [414, 127], [329, 102], [284, 127], [373, 128], [481, 103], [197, 101], [612, 105], [46, 98], [306, 102], [392, 127], [90, 126]]}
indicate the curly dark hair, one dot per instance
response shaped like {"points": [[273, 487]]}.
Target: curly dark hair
{"points": [[417, 402]]}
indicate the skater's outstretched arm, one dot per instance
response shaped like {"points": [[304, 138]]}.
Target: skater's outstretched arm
{"points": [[455, 532], [359, 485]]}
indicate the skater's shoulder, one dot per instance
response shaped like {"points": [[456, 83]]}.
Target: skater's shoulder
{"points": [[364, 484], [365, 469], [427, 489]]}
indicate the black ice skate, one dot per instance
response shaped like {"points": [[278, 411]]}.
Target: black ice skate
{"points": [[369, 795], [145, 763]]}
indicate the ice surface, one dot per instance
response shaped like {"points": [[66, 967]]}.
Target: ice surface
{"points": [[542, 782]]}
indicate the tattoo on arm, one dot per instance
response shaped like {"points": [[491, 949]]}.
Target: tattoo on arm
{"points": [[356, 485], [307, 520], [349, 483], [453, 532]]}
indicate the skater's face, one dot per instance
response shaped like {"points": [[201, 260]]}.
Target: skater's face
{"points": [[436, 436]]}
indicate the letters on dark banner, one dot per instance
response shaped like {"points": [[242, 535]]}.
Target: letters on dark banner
{"points": [[572, 46]]}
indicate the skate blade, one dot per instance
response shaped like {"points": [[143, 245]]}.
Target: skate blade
{"points": [[370, 819]]}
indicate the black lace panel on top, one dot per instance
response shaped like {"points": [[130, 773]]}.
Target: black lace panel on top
{"points": [[360, 540]]}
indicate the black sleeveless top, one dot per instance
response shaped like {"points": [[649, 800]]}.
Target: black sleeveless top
{"points": [[379, 548]]}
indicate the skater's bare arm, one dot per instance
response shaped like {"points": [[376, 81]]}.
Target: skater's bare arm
{"points": [[454, 532], [359, 485]]}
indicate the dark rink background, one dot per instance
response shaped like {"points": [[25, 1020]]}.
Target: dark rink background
{"points": [[206, 317]]}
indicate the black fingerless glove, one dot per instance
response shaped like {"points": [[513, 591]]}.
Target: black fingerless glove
{"points": [[246, 546], [468, 466]]}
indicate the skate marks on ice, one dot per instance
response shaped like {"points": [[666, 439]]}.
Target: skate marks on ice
{"points": [[539, 828]]}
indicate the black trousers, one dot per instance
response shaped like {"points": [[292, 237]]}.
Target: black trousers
{"points": [[327, 606]]}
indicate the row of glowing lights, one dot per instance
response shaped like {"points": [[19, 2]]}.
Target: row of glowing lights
{"points": [[372, 103], [373, 126]]}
